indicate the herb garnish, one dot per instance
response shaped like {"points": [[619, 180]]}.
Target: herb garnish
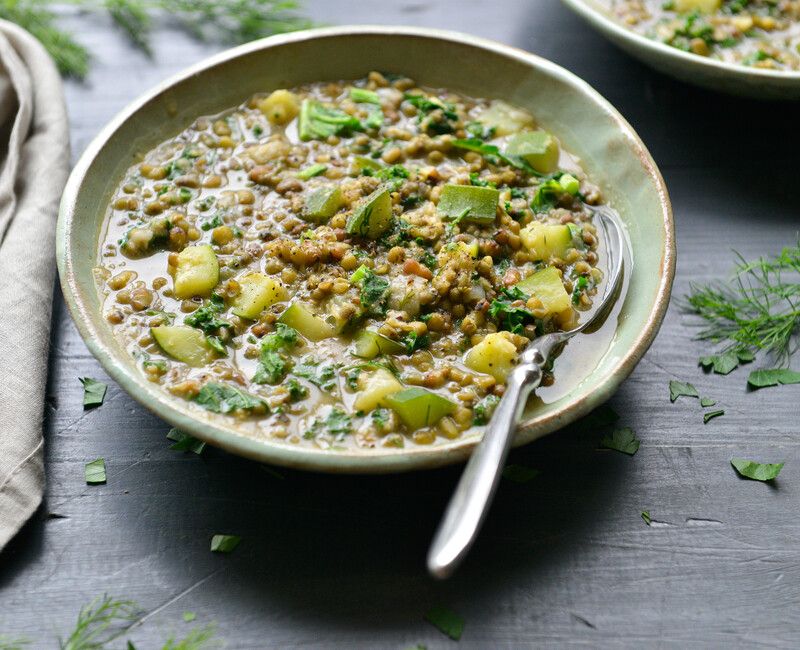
{"points": [[206, 319], [707, 401], [94, 392], [484, 410], [646, 517], [755, 470], [711, 415], [506, 314], [374, 290], [95, 472], [224, 543], [680, 389], [773, 377], [224, 398], [318, 122], [759, 310], [447, 621], [185, 442], [414, 341], [520, 473], [337, 423], [273, 363], [322, 376], [623, 440], [493, 155]]}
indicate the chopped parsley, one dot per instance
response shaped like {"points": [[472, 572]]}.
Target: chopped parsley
{"points": [[273, 363], [95, 472], [321, 375], [447, 621], [337, 423], [214, 222], [506, 314], [224, 543], [623, 440], [581, 284], [223, 398], [413, 342], [374, 290], [680, 389], [726, 362], [475, 179], [519, 473], [756, 471], [296, 390], [484, 410], [711, 415], [319, 122], [185, 442], [380, 418], [773, 377], [707, 401], [94, 392]]}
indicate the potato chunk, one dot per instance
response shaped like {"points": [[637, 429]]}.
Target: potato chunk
{"points": [[546, 241], [257, 292], [373, 388], [703, 6], [495, 356], [281, 107], [196, 273]]}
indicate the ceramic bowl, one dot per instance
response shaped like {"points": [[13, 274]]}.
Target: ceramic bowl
{"points": [[587, 125], [698, 70]]}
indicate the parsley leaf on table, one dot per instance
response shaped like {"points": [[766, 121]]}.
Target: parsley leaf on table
{"points": [[711, 415], [623, 440], [95, 472], [681, 389], [447, 621], [94, 392], [185, 442], [773, 377], [224, 543], [756, 471]]}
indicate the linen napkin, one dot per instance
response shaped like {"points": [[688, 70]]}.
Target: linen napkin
{"points": [[34, 162]]}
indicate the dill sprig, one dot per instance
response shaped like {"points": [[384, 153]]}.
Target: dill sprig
{"points": [[224, 21], [757, 311], [101, 621]]}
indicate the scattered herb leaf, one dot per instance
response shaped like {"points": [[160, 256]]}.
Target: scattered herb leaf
{"points": [[711, 415], [484, 410], [705, 402], [188, 617], [185, 442], [224, 543], [646, 516], [681, 389], [773, 377], [447, 621], [756, 471], [623, 440], [223, 398], [94, 392]]}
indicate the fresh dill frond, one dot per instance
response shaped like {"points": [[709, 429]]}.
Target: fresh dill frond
{"points": [[101, 621], [70, 56], [197, 639], [757, 311], [13, 643], [223, 21]]}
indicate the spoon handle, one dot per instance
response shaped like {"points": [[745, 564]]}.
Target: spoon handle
{"points": [[470, 501]]}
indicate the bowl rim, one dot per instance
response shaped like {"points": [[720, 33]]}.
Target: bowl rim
{"points": [[358, 461], [595, 16]]}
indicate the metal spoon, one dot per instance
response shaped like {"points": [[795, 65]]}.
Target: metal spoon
{"points": [[470, 502]]}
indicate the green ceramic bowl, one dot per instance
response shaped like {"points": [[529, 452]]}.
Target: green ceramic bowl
{"points": [[698, 70], [586, 123]]}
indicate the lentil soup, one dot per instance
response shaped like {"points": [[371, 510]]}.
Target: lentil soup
{"points": [[755, 33], [349, 264]]}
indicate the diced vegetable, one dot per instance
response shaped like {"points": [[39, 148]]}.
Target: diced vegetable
{"points": [[504, 118], [364, 96], [368, 344], [545, 241], [280, 107], [703, 6], [196, 273], [374, 388], [495, 355], [323, 203], [570, 184], [183, 343], [548, 287], [469, 202], [419, 408], [372, 216], [257, 292], [360, 163], [318, 122], [310, 172], [452, 248], [538, 148], [313, 327]]}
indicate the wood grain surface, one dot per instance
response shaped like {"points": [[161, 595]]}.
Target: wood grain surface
{"points": [[565, 560]]}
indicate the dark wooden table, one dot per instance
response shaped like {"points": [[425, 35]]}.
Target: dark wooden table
{"points": [[331, 561]]}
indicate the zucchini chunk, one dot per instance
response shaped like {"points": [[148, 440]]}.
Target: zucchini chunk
{"points": [[196, 273], [323, 203], [469, 202], [546, 241], [372, 216], [548, 287], [313, 327], [184, 343], [419, 408], [368, 345], [504, 118], [538, 148], [374, 388]]}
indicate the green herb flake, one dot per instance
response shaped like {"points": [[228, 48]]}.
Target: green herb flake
{"points": [[519, 473], [623, 440], [705, 402], [95, 472], [223, 398], [446, 621], [224, 543], [681, 389], [364, 96], [484, 410], [94, 392], [312, 171], [773, 377], [185, 442], [756, 471], [188, 617], [646, 517], [711, 415], [722, 364]]}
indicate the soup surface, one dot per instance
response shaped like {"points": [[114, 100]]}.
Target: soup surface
{"points": [[348, 264], [755, 33]]}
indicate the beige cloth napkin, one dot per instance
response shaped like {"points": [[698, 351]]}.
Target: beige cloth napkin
{"points": [[34, 162]]}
